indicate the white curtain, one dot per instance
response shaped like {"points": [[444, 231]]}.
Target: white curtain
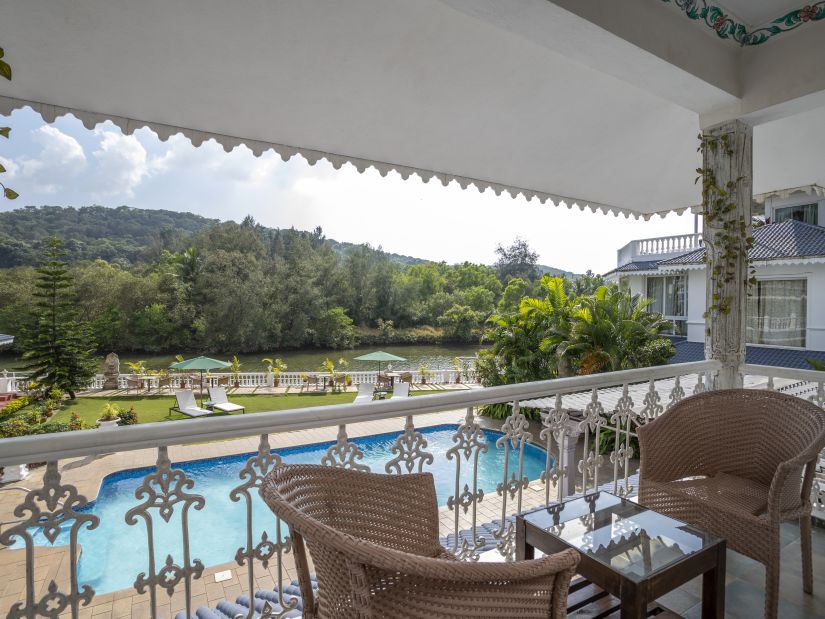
{"points": [[777, 313]]}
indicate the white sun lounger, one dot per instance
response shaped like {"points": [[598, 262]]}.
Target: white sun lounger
{"points": [[402, 390], [365, 393], [187, 405], [220, 402]]}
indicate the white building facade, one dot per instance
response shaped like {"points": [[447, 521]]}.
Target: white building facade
{"points": [[786, 307]]}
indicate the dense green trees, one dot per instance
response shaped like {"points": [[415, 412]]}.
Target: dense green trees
{"points": [[235, 288], [561, 334], [59, 348]]}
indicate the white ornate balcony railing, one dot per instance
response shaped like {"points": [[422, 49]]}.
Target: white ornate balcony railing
{"points": [[16, 381], [658, 247], [574, 411]]}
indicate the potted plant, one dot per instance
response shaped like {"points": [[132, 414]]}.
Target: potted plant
{"points": [[457, 368], [138, 370], [235, 370], [423, 370], [274, 367], [329, 367], [110, 418]]}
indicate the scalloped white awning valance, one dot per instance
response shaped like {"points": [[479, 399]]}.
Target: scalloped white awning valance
{"points": [[474, 92]]}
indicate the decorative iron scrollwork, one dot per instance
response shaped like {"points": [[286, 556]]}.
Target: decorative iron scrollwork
{"points": [[252, 476], [515, 434], [555, 424], [470, 442], [164, 491], [344, 454], [652, 404], [677, 394], [410, 449], [54, 508]]}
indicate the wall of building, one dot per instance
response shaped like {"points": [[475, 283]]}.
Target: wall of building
{"points": [[814, 274]]}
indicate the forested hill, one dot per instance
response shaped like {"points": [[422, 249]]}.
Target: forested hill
{"points": [[121, 235]]}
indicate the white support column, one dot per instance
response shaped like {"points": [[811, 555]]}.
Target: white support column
{"points": [[728, 160]]}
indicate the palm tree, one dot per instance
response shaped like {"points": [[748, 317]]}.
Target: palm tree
{"points": [[612, 330]]}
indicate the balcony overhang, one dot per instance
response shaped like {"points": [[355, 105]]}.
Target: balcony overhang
{"points": [[559, 101]]}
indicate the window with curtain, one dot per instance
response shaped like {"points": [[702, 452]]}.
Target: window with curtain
{"points": [[777, 312], [669, 298], [806, 213]]}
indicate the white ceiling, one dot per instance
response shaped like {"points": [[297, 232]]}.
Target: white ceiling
{"points": [[532, 99]]}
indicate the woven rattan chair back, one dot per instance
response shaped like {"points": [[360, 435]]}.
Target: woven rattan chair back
{"points": [[374, 545]]}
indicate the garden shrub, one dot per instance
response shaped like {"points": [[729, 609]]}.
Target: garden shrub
{"points": [[32, 417], [75, 422], [51, 428], [128, 418], [13, 428], [14, 406]]}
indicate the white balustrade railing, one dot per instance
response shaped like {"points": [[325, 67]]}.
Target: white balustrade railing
{"points": [[584, 411], [658, 247], [16, 381], [12, 381]]}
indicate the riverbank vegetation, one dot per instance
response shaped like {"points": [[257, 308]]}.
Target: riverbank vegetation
{"points": [[145, 284]]}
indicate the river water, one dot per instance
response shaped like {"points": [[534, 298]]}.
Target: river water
{"points": [[435, 357]]}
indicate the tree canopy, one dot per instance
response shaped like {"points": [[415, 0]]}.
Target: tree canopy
{"points": [[59, 348], [562, 334]]}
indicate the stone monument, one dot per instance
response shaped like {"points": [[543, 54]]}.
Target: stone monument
{"points": [[111, 371]]}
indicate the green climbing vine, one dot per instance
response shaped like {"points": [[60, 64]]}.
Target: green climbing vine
{"points": [[5, 71], [735, 241]]}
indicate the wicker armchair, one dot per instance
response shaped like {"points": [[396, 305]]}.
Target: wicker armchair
{"points": [[737, 463], [374, 543]]}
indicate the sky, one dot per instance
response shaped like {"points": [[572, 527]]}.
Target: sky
{"points": [[65, 164]]}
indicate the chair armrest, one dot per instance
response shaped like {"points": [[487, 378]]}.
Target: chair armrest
{"points": [[804, 462]]}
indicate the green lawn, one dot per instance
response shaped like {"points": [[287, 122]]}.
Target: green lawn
{"points": [[156, 408]]}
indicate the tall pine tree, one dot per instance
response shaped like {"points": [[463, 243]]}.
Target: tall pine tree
{"points": [[59, 348]]}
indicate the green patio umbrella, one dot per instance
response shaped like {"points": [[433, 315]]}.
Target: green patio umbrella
{"points": [[200, 364], [379, 356]]}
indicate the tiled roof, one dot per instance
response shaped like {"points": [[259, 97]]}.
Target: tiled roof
{"points": [[758, 355], [789, 239], [631, 267]]}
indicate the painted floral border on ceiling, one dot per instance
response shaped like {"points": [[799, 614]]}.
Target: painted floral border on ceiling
{"points": [[728, 28]]}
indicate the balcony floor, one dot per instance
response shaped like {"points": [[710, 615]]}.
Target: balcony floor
{"points": [[744, 592]]}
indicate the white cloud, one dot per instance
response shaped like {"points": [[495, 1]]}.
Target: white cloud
{"points": [[11, 167], [239, 165], [61, 159], [122, 163]]}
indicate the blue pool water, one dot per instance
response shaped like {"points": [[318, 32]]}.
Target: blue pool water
{"points": [[114, 553]]}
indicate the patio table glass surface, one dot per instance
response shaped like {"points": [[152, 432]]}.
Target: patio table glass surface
{"points": [[625, 536]]}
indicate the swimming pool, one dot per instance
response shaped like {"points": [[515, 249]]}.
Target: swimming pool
{"points": [[114, 553]]}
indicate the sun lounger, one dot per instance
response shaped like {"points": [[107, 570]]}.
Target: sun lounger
{"points": [[402, 390], [365, 393], [187, 405], [219, 401]]}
